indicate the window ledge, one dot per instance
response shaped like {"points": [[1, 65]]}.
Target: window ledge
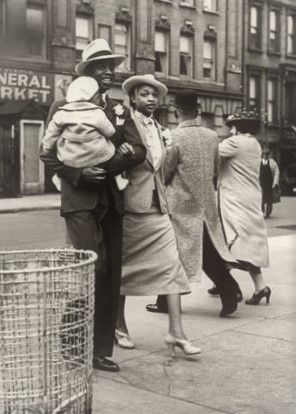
{"points": [[186, 6], [290, 56], [211, 12], [274, 53], [28, 59], [272, 125], [251, 49], [162, 75], [165, 1]]}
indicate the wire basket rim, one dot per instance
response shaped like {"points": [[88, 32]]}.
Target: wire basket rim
{"points": [[88, 261]]}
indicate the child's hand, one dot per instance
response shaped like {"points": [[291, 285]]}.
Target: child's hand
{"points": [[126, 149]]}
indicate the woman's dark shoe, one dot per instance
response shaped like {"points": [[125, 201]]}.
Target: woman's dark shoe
{"points": [[214, 291], [256, 298], [154, 307]]}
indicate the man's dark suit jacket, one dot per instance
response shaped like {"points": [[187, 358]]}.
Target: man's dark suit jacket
{"points": [[76, 194]]}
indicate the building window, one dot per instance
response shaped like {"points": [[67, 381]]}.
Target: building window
{"points": [[291, 29], [274, 31], [254, 93], [209, 52], [161, 52], [2, 19], [271, 101], [122, 45], [36, 24], [189, 3], [255, 24], [186, 55], [210, 5], [84, 33]]}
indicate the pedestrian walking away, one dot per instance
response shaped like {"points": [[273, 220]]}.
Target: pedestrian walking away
{"points": [[92, 205], [190, 168], [151, 262], [269, 181], [240, 199]]}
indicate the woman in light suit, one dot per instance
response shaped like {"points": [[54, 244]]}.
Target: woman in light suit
{"points": [[151, 263], [240, 199]]}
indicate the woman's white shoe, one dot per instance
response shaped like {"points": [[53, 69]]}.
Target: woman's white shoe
{"points": [[123, 340], [187, 347]]}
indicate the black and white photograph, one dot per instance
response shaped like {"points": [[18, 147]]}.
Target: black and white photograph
{"points": [[147, 206]]}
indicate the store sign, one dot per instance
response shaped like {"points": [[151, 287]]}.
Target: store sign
{"points": [[19, 85]]}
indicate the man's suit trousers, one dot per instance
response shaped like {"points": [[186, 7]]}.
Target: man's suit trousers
{"points": [[100, 230]]}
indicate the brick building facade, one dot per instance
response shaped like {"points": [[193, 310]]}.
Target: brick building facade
{"points": [[270, 76]]}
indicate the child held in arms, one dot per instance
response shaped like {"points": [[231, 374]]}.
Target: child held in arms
{"points": [[82, 133]]}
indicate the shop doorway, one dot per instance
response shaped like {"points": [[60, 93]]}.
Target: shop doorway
{"points": [[31, 168]]}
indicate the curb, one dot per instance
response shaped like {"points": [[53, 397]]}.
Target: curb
{"points": [[27, 209]]}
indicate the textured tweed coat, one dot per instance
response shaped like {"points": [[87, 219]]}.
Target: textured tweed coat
{"points": [[190, 168], [240, 199]]}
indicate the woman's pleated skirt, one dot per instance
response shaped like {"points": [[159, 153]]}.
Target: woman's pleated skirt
{"points": [[151, 264]]}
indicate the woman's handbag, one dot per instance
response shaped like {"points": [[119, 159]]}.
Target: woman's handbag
{"points": [[276, 194]]}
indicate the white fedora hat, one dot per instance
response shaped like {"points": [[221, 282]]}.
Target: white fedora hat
{"points": [[98, 49], [144, 80]]}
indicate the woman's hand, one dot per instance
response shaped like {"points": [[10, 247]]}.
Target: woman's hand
{"points": [[126, 149]]}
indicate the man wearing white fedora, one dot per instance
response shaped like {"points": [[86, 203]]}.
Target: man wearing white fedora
{"points": [[92, 205]]}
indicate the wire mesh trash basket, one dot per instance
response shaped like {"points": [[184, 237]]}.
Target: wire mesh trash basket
{"points": [[46, 331]]}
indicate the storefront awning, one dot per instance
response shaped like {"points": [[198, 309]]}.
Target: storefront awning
{"points": [[14, 107]]}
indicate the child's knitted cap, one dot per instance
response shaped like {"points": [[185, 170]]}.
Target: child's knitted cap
{"points": [[82, 89]]}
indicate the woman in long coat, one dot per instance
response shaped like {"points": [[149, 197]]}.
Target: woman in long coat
{"points": [[240, 199], [150, 258]]}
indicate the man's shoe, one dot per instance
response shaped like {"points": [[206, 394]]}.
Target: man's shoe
{"points": [[229, 308], [153, 307], [214, 291], [105, 364]]}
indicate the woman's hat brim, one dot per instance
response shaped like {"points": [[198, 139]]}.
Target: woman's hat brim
{"points": [[133, 81], [117, 59], [238, 120]]}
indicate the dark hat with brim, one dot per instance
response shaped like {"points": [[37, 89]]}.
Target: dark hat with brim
{"points": [[186, 100], [244, 115]]}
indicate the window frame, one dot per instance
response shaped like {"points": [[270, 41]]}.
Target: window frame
{"points": [[216, 10], [183, 3], [258, 46], [274, 101], [39, 6], [90, 19], [2, 19], [257, 78], [125, 66], [277, 31], [166, 53], [291, 14], [187, 55], [211, 61]]}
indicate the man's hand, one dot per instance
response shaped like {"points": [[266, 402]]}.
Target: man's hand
{"points": [[93, 175], [126, 149]]}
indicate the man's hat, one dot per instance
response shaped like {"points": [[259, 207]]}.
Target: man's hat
{"points": [[186, 100], [149, 79], [243, 115], [98, 49]]}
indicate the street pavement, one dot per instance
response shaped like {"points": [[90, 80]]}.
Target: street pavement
{"points": [[248, 363]]}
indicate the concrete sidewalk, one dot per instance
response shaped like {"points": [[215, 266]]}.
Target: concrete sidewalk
{"points": [[30, 203], [248, 361]]}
